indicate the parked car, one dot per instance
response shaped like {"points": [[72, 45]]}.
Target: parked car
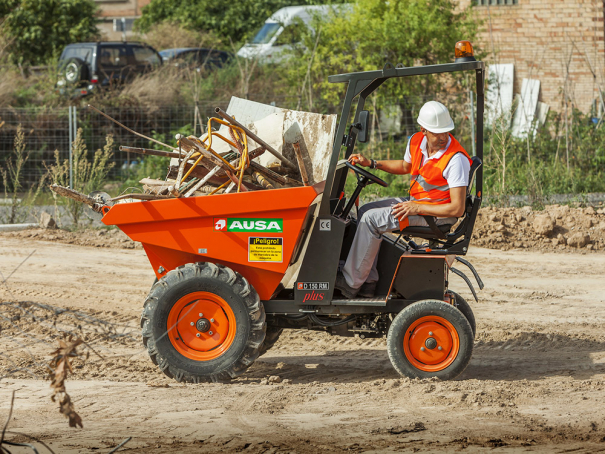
{"points": [[84, 67], [196, 56], [283, 30]]}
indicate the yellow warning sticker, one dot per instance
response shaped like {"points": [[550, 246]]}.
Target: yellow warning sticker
{"points": [[265, 249]]}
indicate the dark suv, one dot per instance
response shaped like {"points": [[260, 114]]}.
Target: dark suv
{"points": [[196, 57], [84, 67]]}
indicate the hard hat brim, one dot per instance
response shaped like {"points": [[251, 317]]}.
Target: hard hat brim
{"points": [[434, 130]]}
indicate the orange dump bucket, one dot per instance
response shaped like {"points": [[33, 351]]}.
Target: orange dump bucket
{"points": [[254, 233]]}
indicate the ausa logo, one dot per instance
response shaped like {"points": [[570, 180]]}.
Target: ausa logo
{"points": [[248, 225], [220, 224]]}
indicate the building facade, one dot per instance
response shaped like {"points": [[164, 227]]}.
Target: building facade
{"points": [[117, 17], [558, 42]]}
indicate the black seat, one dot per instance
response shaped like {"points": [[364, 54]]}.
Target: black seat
{"points": [[421, 231], [441, 233]]}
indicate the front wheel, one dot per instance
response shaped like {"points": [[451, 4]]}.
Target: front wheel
{"points": [[430, 338], [273, 333], [203, 322]]}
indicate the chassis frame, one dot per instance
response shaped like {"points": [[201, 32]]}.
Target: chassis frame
{"points": [[408, 273]]}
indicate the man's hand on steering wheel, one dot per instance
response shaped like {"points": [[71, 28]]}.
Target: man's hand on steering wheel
{"points": [[364, 174], [357, 159]]}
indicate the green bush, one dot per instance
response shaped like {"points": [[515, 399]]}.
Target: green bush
{"points": [[235, 21], [39, 29]]}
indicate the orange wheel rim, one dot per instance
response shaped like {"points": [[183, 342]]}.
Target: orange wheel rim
{"points": [[431, 343], [201, 326]]}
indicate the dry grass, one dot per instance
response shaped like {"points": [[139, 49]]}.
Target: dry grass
{"points": [[11, 82], [158, 88], [88, 175], [170, 35]]}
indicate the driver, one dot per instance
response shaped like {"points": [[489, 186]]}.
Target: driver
{"points": [[440, 171]]}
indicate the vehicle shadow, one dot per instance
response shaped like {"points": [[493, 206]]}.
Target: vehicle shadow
{"points": [[525, 356]]}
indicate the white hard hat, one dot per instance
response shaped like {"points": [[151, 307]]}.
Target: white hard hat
{"points": [[434, 117]]}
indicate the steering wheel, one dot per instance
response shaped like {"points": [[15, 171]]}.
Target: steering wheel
{"points": [[364, 173]]}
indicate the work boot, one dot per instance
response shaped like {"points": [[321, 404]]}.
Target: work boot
{"points": [[367, 290], [345, 289]]}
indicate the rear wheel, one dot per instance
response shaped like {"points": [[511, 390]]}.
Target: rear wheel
{"points": [[430, 338], [203, 322], [465, 308]]}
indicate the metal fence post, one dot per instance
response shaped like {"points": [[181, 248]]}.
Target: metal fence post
{"points": [[470, 92], [71, 141]]}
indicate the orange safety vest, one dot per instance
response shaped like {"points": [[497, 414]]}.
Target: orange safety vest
{"points": [[428, 184]]}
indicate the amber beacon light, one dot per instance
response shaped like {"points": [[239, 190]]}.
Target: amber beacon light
{"points": [[464, 52]]}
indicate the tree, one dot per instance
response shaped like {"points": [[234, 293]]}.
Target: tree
{"points": [[39, 29], [412, 32], [228, 20]]}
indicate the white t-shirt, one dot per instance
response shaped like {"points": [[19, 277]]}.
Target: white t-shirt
{"points": [[456, 171]]}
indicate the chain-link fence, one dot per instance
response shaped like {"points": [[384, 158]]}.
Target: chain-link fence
{"points": [[48, 129]]}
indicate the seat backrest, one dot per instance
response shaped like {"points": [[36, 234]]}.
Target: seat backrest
{"points": [[472, 205], [475, 164]]}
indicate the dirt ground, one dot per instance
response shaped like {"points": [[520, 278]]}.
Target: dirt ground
{"points": [[536, 382], [555, 228]]}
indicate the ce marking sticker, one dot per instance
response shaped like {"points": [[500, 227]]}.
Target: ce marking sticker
{"points": [[325, 225]]}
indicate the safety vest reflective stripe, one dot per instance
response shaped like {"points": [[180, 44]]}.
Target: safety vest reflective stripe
{"points": [[428, 184], [427, 200]]}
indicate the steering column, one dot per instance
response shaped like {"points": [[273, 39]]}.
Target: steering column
{"points": [[364, 178]]}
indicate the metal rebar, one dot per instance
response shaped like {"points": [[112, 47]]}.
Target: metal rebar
{"points": [[208, 153], [254, 137], [151, 152], [90, 106], [273, 175], [120, 445], [138, 196]]}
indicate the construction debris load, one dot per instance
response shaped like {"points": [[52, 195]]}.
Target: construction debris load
{"points": [[250, 147]]}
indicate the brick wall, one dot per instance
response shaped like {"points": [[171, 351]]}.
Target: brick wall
{"points": [[540, 37], [117, 9]]}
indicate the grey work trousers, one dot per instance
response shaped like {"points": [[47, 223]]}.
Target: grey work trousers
{"points": [[374, 219]]}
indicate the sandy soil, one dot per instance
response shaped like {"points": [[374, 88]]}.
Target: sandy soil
{"points": [[536, 381]]}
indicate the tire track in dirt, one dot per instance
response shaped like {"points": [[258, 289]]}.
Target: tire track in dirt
{"points": [[536, 372]]}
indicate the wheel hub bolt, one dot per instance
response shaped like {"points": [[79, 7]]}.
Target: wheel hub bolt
{"points": [[430, 343], [198, 334], [212, 320], [202, 325], [422, 349], [210, 332], [201, 315], [440, 348], [430, 333], [192, 324]]}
